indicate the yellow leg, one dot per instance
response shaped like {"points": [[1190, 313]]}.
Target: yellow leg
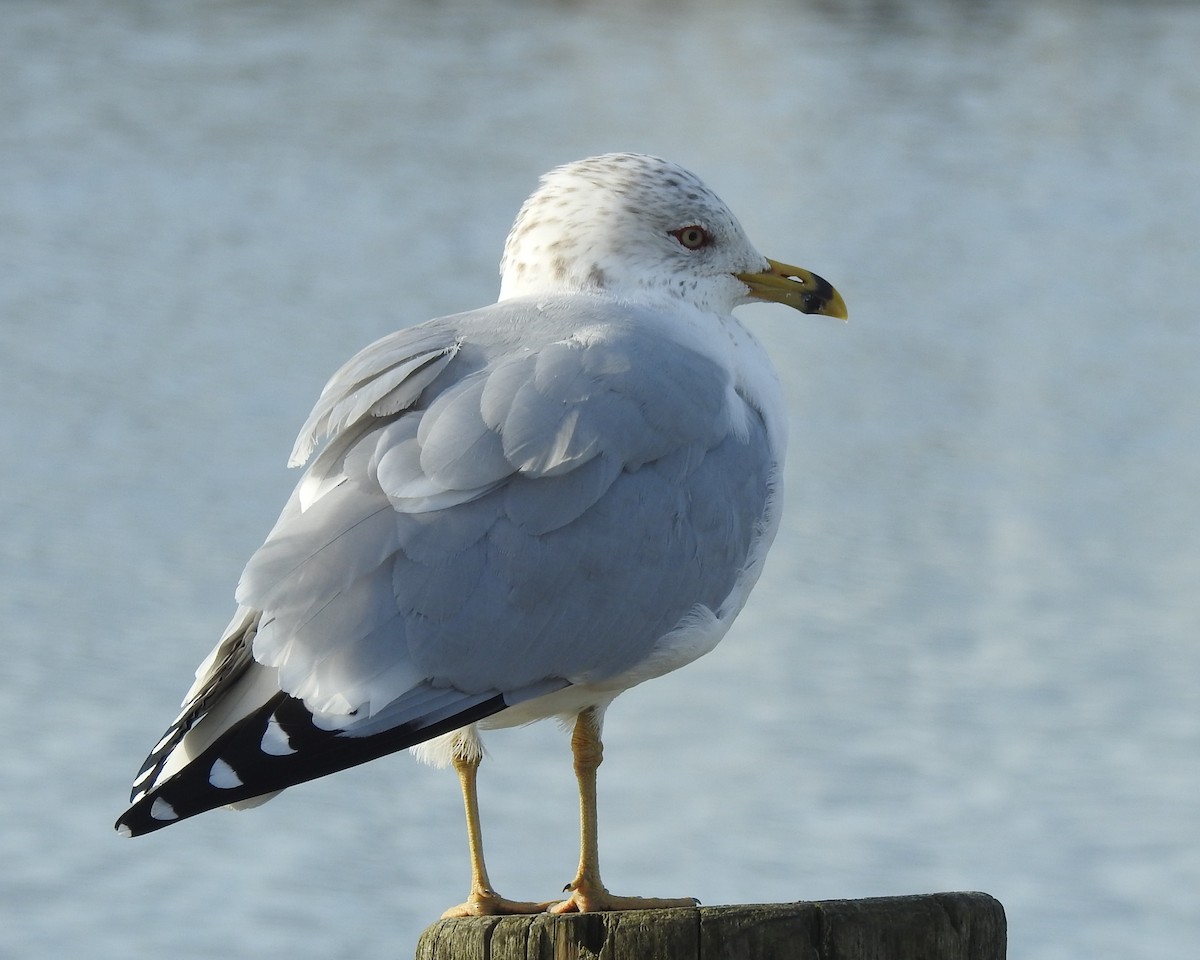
{"points": [[483, 900], [588, 893]]}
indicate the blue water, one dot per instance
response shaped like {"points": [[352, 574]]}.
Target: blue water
{"points": [[973, 661]]}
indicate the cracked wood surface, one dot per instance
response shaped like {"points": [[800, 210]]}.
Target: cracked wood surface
{"points": [[938, 926]]}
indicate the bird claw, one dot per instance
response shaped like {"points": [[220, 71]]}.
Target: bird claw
{"points": [[491, 904], [586, 898]]}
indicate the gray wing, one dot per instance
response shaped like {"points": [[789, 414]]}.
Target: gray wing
{"points": [[505, 504]]}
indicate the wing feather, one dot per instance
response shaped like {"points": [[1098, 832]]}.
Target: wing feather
{"points": [[506, 504]]}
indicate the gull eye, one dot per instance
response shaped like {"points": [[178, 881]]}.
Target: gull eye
{"points": [[693, 237]]}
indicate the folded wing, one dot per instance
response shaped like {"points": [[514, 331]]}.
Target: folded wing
{"points": [[494, 516]]}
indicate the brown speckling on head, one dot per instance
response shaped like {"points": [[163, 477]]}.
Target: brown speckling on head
{"points": [[611, 230]]}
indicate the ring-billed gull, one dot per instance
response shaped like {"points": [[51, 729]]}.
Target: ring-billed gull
{"points": [[518, 512]]}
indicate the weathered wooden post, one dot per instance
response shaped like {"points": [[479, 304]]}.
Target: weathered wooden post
{"points": [[937, 926]]}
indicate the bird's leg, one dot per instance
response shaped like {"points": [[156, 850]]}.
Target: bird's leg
{"points": [[483, 900], [587, 892]]}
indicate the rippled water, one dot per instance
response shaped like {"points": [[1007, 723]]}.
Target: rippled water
{"points": [[973, 660]]}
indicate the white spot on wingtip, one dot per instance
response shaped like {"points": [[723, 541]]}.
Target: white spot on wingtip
{"points": [[161, 810], [123, 830], [275, 743], [223, 776]]}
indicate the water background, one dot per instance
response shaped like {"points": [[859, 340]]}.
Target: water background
{"points": [[974, 659]]}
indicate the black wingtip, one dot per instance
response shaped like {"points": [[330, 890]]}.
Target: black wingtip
{"points": [[137, 821], [235, 768]]}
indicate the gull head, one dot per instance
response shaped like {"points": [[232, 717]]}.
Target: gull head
{"points": [[637, 227]]}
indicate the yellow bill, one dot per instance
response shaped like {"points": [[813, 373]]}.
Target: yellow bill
{"points": [[797, 288]]}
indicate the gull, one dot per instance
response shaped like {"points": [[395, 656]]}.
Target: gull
{"points": [[515, 513]]}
